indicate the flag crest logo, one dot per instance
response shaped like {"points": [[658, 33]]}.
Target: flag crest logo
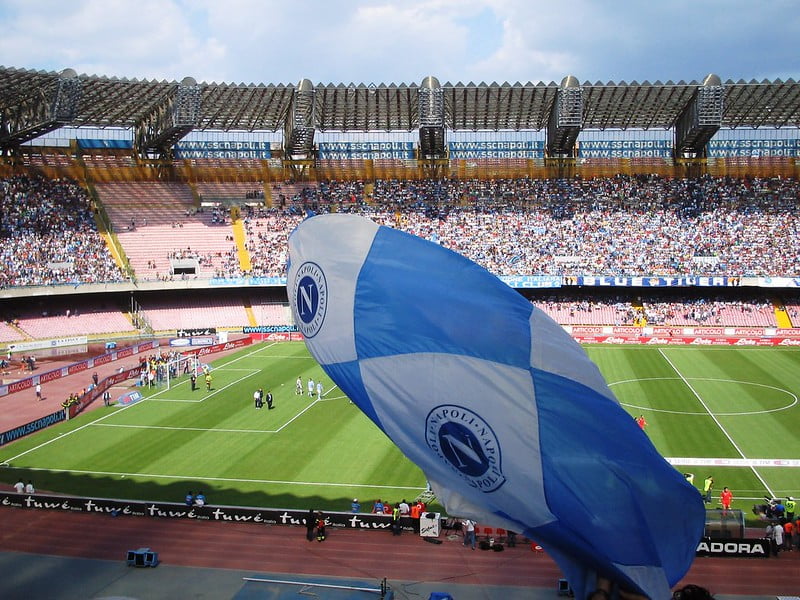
{"points": [[509, 420], [468, 444], [310, 299]]}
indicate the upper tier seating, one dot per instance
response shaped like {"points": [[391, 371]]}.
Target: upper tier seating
{"points": [[158, 221]]}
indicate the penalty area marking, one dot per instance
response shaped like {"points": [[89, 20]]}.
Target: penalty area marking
{"points": [[218, 430], [204, 429]]}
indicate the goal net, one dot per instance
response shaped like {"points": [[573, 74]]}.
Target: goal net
{"points": [[176, 370]]}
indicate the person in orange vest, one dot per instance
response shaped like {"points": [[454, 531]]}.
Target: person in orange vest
{"points": [[788, 535], [415, 513]]}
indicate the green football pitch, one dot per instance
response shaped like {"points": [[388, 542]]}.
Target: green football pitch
{"points": [[731, 413]]}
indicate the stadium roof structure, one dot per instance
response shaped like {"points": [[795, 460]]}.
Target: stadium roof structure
{"points": [[34, 102], [115, 102]]}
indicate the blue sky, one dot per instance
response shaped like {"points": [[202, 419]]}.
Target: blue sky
{"points": [[359, 41]]}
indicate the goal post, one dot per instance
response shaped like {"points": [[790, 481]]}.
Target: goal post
{"points": [[176, 369]]}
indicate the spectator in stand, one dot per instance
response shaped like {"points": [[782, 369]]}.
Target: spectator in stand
{"points": [[707, 225], [51, 236]]}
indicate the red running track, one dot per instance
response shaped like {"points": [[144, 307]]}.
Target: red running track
{"points": [[346, 553]]}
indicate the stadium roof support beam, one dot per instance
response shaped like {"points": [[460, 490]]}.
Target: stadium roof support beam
{"points": [[45, 110], [700, 119], [566, 117], [432, 150], [300, 124], [431, 119], [169, 120], [299, 129]]}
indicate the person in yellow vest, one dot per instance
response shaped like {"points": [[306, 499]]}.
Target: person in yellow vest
{"points": [[396, 530], [708, 486], [790, 505]]}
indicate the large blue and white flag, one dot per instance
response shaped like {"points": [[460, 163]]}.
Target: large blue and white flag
{"points": [[508, 418]]}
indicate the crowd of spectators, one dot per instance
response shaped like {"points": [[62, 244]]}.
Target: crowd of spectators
{"points": [[624, 225], [626, 310], [49, 235], [298, 199], [621, 226], [704, 311]]}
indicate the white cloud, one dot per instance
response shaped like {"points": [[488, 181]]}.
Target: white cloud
{"points": [[271, 41]]}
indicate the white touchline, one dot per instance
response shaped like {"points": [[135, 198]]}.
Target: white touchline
{"points": [[62, 436], [206, 429], [713, 416], [236, 479]]}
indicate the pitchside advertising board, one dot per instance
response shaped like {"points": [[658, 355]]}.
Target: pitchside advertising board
{"points": [[196, 331], [94, 393], [30, 382], [225, 514], [740, 548], [179, 342]]}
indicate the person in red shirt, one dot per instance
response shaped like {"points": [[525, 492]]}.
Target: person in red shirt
{"points": [[641, 422], [725, 498]]}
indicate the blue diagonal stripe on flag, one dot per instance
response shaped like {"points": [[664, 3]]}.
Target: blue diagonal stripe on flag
{"points": [[506, 415]]}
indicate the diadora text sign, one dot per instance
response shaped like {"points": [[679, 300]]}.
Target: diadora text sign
{"points": [[758, 548], [467, 443], [311, 299]]}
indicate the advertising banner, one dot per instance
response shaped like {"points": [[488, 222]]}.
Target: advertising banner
{"points": [[496, 149], [208, 512], [222, 149]]}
